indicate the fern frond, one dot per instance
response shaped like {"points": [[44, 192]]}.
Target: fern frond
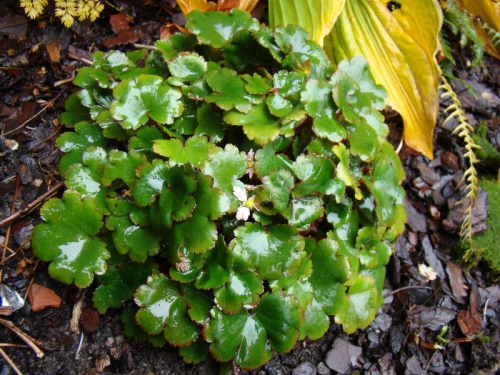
{"points": [[493, 34], [464, 130], [33, 8]]}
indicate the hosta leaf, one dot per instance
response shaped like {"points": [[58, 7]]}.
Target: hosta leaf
{"points": [[75, 144], [315, 16], [152, 177], [249, 337], [240, 289], [258, 124], [400, 47], [164, 308], [143, 98], [360, 305], [67, 239], [120, 281], [194, 151], [139, 243], [122, 166], [224, 167], [188, 67], [229, 90], [270, 252], [315, 172], [217, 28]]}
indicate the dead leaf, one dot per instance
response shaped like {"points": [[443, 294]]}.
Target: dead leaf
{"points": [[469, 323], [14, 26], [90, 320], [119, 22], [125, 37], [54, 51], [41, 297], [170, 29], [457, 281]]}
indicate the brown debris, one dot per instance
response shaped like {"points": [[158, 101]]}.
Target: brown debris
{"points": [[90, 320], [457, 281], [119, 22], [41, 297], [54, 51]]}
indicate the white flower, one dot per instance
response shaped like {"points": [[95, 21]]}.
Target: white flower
{"points": [[250, 163], [243, 211], [427, 272]]}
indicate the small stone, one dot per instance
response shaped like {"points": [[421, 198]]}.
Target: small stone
{"points": [[306, 368], [450, 160], [41, 297], [323, 369], [343, 356]]}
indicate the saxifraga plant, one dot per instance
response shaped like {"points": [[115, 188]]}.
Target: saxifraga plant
{"points": [[231, 185]]}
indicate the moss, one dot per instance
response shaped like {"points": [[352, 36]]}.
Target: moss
{"points": [[487, 243]]}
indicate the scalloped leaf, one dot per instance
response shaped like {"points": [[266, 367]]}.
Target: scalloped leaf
{"points": [[195, 352], [75, 111], [164, 308], [257, 84], [344, 170], [152, 177], [198, 234], [249, 337], [218, 28], [215, 272], [195, 150], [315, 172], [305, 210], [74, 144], [329, 128], [139, 243], [67, 239], [360, 305], [224, 167], [210, 201], [258, 124], [270, 252], [277, 186], [122, 166], [267, 159], [210, 123], [241, 289], [187, 67], [145, 97]]}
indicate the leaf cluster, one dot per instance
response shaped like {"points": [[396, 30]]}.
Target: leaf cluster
{"points": [[66, 10], [171, 147]]}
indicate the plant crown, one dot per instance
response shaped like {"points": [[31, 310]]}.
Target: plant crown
{"points": [[229, 183]]}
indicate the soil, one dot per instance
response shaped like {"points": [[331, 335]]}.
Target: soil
{"points": [[39, 59]]}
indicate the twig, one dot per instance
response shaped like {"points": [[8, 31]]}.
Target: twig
{"points": [[24, 336], [35, 115], [9, 345], [79, 347], [9, 361], [26, 210], [75, 316], [145, 46], [7, 235], [406, 288]]}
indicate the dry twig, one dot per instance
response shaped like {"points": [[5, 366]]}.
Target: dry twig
{"points": [[9, 361], [32, 343]]}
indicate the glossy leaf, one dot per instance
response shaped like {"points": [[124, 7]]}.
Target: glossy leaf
{"points": [[249, 337], [143, 98], [240, 289], [343, 169], [198, 234], [152, 177], [315, 172], [215, 272], [217, 28], [67, 239], [305, 210], [188, 67], [210, 201], [400, 47], [277, 185], [195, 150], [122, 166], [195, 352], [270, 252], [75, 111], [314, 16], [268, 158]]}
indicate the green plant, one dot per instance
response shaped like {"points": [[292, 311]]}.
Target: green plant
{"points": [[232, 185], [66, 10]]}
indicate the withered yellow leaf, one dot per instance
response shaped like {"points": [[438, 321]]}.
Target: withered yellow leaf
{"points": [[400, 47]]}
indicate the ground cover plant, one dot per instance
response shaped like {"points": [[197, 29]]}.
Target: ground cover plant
{"points": [[230, 183]]}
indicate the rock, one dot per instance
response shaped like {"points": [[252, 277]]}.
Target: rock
{"points": [[432, 259], [323, 369], [428, 174], [306, 368], [415, 219], [482, 98], [343, 356], [41, 297], [450, 160], [413, 367]]}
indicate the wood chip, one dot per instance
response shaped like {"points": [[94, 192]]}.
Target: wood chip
{"points": [[41, 297], [54, 51]]}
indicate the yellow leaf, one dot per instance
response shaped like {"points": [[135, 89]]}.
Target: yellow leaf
{"points": [[488, 12], [247, 5], [189, 5], [315, 16], [400, 47]]}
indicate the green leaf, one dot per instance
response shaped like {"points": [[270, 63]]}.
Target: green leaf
{"points": [[75, 111], [139, 243], [145, 97], [319, 99], [151, 181], [210, 123], [194, 151], [249, 338], [329, 128], [305, 210], [75, 144], [258, 124], [344, 170], [270, 252], [316, 322], [188, 67], [229, 91], [195, 352], [143, 141], [315, 172], [218, 28], [267, 159], [122, 166], [210, 201], [277, 185], [164, 308], [67, 239], [241, 289], [120, 281], [277, 105], [175, 44], [257, 84], [215, 272], [198, 234], [224, 167], [360, 305], [289, 84]]}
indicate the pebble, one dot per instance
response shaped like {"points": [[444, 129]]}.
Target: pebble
{"points": [[343, 356], [306, 368], [323, 369]]}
